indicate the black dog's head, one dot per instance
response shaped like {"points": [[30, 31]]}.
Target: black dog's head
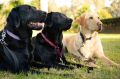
{"points": [[58, 21], [24, 18]]}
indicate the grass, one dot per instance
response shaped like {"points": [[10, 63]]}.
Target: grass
{"points": [[111, 45]]}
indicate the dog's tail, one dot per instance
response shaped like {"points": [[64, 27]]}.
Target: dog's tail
{"points": [[109, 62]]}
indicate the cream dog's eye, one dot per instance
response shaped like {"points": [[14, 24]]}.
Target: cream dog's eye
{"points": [[91, 17], [98, 17]]}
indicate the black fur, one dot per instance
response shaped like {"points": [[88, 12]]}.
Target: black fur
{"points": [[19, 50], [46, 54]]}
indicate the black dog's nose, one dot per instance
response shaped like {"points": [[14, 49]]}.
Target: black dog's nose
{"points": [[43, 12], [70, 20]]}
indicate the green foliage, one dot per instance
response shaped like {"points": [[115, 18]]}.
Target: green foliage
{"points": [[83, 9], [36, 3], [1, 5], [104, 14], [5, 9], [75, 28], [16, 2], [115, 8]]}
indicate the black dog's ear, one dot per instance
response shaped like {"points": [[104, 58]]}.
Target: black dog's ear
{"points": [[48, 21], [13, 18]]}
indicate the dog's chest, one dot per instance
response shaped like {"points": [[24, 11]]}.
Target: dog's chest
{"points": [[91, 44]]}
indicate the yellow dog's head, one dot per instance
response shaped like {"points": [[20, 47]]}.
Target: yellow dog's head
{"points": [[90, 21]]}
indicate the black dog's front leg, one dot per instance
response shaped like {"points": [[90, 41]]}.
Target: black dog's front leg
{"points": [[50, 65], [70, 63], [39, 65], [61, 66], [75, 64]]}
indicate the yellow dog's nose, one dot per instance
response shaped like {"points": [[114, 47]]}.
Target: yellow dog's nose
{"points": [[99, 24]]}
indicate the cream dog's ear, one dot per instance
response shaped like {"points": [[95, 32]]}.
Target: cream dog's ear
{"points": [[77, 20], [81, 20]]}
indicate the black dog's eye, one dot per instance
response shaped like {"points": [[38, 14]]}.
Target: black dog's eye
{"points": [[91, 17]]}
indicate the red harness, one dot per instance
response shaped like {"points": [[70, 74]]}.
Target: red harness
{"points": [[59, 52]]}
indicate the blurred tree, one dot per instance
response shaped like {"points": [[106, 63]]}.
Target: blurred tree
{"points": [[99, 4], [6, 8], [10, 5], [115, 8], [104, 14], [44, 5], [83, 9], [16, 2], [1, 5], [52, 6], [36, 3]]}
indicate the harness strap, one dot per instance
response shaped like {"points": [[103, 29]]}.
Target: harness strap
{"points": [[10, 57]]}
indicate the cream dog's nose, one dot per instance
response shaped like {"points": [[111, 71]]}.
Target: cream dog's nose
{"points": [[99, 24]]}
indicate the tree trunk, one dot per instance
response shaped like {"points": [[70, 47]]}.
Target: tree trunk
{"points": [[44, 5]]}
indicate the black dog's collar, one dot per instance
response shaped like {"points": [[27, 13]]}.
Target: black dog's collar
{"points": [[2, 40], [12, 35], [3, 35], [60, 52]]}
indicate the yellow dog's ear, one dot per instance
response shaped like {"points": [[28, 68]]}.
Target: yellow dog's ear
{"points": [[81, 20], [77, 20]]}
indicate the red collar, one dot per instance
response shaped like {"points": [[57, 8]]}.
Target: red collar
{"points": [[48, 41], [59, 52]]}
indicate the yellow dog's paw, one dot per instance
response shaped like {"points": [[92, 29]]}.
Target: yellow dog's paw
{"points": [[93, 65]]}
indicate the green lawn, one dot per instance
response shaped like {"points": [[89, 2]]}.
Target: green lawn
{"points": [[111, 45]]}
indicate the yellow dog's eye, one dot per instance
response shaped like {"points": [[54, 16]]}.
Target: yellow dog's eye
{"points": [[98, 17], [91, 17]]}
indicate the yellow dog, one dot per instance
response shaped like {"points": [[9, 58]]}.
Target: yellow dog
{"points": [[86, 45]]}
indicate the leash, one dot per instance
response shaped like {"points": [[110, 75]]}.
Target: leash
{"points": [[59, 52], [8, 53]]}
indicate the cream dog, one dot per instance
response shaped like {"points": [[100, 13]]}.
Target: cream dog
{"points": [[87, 45]]}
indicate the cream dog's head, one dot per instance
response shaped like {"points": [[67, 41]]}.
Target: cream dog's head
{"points": [[90, 21]]}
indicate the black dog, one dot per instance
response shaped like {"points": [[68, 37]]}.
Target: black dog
{"points": [[15, 39], [48, 43]]}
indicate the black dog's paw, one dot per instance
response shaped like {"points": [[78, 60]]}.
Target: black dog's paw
{"points": [[78, 65], [90, 69], [61, 66], [70, 67]]}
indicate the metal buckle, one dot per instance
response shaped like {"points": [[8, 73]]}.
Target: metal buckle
{"points": [[61, 60], [2, 40]]}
